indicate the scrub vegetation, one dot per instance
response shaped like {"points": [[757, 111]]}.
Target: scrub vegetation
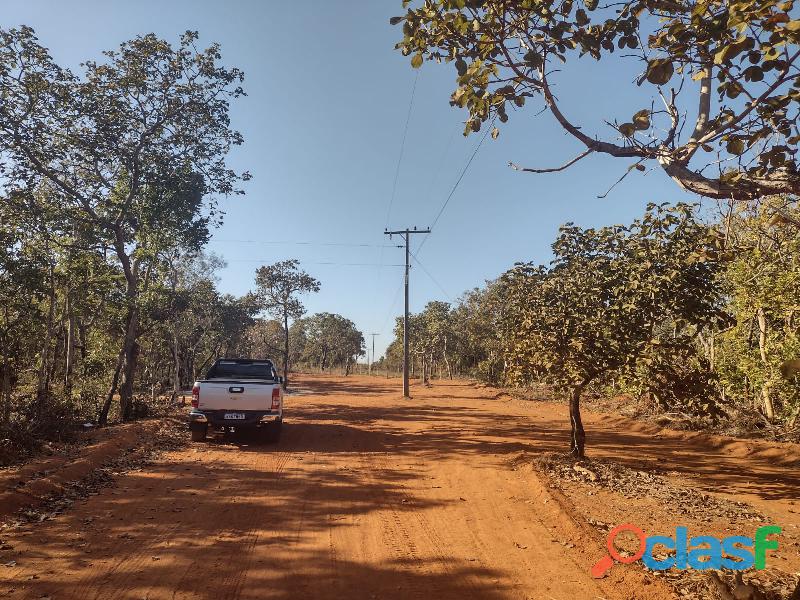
{"points": [[697, 315]]}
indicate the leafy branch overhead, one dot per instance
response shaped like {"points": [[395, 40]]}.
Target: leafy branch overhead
{"points": [[719, 80]]}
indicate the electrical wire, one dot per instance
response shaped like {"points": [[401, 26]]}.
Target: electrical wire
{"points": [[391, 308], [432, 278], [399, 162], [458, 181], [294, 243], [402, 149], [306, 262]]}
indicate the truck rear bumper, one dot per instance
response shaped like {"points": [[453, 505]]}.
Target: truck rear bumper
{"points": [[216, 418]]}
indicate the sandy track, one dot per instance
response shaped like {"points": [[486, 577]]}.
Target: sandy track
{"points": [[366, 496]]}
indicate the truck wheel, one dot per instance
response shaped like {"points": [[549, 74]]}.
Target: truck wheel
{"points": [[272, 432], [199, 433]]}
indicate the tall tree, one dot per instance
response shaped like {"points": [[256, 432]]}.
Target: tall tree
{"points": [[278, 288], [137, 141], [718, 83]]}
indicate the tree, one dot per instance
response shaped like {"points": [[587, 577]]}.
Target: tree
{"points": [[432, 332], [131, 150], [330, 340], [597, 309], [719, 78], [476, 331], [763, 287], [264, 339], [278, 288]]}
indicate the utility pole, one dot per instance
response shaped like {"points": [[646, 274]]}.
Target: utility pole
{"points": [[373, 352], [406, 235]]}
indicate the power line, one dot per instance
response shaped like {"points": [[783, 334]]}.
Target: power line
{"points": [[391, 308], [399, 161], [298, 243], [432, 278], [402, 149], [438, 169], [306, 262], [458, 181]]}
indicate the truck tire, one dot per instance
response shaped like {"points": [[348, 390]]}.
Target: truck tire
{"points": [[272, 432], [199, 433]]}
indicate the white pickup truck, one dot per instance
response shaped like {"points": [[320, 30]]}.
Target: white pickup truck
{"points": [[237, 395]]}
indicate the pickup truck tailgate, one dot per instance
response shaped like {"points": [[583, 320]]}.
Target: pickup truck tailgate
{"points": [[235, 395]]}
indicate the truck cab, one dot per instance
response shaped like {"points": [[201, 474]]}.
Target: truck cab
{"points": [[238, 395]]}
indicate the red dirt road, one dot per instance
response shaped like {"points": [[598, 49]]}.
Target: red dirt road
{"points": [[366, 496]]}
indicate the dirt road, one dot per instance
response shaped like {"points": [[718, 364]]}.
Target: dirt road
{"points": [[366, 496]]}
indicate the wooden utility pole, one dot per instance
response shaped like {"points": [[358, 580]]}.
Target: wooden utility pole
{"points": [[406, 235], [373, 352]]}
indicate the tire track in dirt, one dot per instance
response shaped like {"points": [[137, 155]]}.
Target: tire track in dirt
{"points": [[233, 579], [142, 555], [393, 532], [366, 497]]}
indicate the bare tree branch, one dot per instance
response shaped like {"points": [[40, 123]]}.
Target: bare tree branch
{"points": [[516, 167]]}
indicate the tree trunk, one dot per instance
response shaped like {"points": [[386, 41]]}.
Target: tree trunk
{"points": [[769, 409], [6, 383], [176, 361], [285, 350], [446, 360], [102, 418], [43, 379], [347, 367], [130, 354], [578, 435], [69, 352], [176, 357]]}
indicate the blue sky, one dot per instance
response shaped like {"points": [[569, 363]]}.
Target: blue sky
{"points": [[323, 124]]}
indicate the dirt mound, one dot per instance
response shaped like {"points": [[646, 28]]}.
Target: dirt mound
{"points": [[46, 486], [632, 483], [688, 505]]}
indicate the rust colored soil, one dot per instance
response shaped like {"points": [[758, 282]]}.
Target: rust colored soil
{"points": [[366, 496], [31, 484]]}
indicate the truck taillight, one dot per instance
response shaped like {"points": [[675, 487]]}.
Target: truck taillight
{"points": [[196, 396], [276, 398]]}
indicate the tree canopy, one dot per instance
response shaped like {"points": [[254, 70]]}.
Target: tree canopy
{"points": [[279, 287], [718, 80]]}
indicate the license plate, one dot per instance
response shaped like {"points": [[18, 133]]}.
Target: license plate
{"points": [[235, 416]]}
